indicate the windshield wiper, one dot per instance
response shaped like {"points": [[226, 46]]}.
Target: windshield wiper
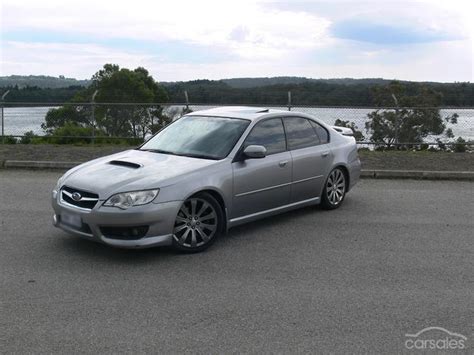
{"points": [[190, 155], [200, 156], [158, 151]]}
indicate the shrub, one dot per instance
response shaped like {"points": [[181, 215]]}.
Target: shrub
{"points": [[459, 147], [71, 133], [27, 137], [9, 140]]}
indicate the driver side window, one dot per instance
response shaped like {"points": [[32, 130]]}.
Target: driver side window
{"points": [[270, 134]]}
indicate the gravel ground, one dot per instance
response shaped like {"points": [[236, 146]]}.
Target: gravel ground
{"points": [[370, 160]]}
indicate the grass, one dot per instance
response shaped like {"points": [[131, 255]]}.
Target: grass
{"points": [[386, 160]]}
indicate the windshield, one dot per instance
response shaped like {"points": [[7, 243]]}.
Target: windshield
{"points": [[198, 136]]}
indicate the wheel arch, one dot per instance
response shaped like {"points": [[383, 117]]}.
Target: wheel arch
{"points": [[347, 175], [220, 200]]}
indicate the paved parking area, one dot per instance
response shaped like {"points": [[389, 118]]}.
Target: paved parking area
{"points": [[396, 258]]}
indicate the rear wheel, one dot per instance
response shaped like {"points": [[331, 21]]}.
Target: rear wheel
{"points": [[198, 223], [334, 190]]}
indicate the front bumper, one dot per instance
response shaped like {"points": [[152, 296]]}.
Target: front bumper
{"points": [[159, 217]]}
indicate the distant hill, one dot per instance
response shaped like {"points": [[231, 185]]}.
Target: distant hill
{"points": [[40, 81], [242, 83], [264, 91], [324, 92]]}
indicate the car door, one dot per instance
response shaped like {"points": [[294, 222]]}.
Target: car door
{"points": [[263, 184], [311, 157]]}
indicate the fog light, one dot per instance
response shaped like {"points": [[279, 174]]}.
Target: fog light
{"points": [[55, 193], [124, 232]]}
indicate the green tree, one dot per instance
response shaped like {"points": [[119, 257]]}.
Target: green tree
{"points": [[116, 87], [413, 117]]}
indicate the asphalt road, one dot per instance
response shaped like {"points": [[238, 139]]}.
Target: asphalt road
{"points": [[396, 258]]}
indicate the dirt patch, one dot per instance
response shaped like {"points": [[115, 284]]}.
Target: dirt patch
{"points": [[50, 152], [431, 161]]}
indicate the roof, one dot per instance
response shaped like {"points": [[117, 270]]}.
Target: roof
{"points": [[246, 112]]}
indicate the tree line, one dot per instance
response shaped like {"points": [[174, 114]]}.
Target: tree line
{"points": [[415, 114], [40, 81], [333, 92]]}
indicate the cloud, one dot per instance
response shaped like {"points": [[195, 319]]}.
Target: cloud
{"points": [[180, 40], [239, 34], [405, 21], [206, 23], [386, 34], [73, 60], [178, 51]]}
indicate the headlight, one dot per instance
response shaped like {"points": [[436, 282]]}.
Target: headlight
{"points": [[125, 200]]}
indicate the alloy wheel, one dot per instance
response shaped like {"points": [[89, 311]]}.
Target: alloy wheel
{"points": [[196, 223], [336, 187]]}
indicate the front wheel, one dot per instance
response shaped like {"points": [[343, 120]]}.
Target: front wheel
{"points": [[198, 223], [334, 190]]}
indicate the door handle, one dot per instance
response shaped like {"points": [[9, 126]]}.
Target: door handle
{"points": [[283, 163], [325, 154]]}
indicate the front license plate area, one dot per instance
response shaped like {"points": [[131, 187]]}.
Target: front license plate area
{"points": [[72, 220]]}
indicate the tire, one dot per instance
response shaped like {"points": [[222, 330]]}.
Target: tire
{"points": [[198, 224], [334, 189]]}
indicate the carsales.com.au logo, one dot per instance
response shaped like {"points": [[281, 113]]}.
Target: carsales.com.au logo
{"points": [[435, 338]]}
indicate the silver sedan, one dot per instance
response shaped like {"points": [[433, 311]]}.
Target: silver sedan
{"points": [[205, 173]]}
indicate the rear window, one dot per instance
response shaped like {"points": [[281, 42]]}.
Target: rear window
{"points": [[300, 133], [321, 132]]}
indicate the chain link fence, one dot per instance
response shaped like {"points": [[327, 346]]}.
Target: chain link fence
{"points": [[130, 123]]}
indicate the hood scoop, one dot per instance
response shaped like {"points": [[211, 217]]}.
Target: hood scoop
{"points": [[126, 164]]}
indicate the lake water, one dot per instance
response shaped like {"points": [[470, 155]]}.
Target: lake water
{"points": [[19, 120]]}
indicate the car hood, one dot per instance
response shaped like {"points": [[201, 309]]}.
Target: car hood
{"points": [[132, 170]]}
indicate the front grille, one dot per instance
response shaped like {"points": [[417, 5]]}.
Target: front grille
{"points": [[87, 199]]}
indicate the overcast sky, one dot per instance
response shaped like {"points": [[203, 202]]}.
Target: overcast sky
{"points": [[177, 40]]}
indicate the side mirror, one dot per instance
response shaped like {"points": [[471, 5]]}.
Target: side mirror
{"points": [[255, 152]]}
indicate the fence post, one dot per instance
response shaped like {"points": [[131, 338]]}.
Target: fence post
{"points": [[397, 115], [93, 115], [3, 124], [2, 100], [289, 100], [186, 99]]}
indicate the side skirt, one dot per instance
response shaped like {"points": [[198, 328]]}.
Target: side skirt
{"points": [[271, 212]]}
